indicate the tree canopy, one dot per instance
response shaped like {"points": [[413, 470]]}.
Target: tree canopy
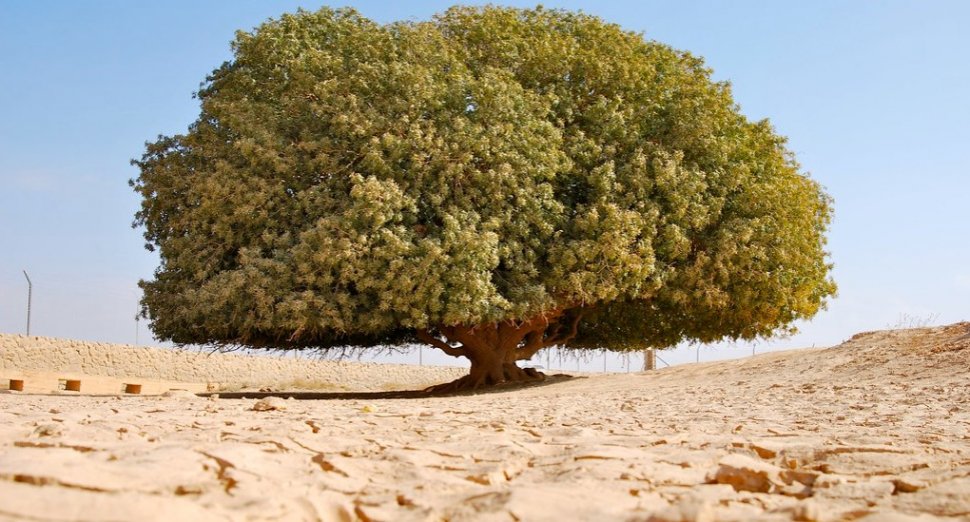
{"points": [[505, 178]]}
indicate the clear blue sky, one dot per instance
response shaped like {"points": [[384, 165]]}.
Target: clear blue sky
{"points": [[873, 96]]}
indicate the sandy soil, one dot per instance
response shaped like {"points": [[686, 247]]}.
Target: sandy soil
{"points": [[875, 429]]}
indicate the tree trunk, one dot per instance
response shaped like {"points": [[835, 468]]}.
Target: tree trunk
{"points": [[497, 367], [493, 349]]}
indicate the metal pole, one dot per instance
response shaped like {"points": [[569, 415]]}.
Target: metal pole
{"points": [[136, 327], [30, 295], [420, 355]]}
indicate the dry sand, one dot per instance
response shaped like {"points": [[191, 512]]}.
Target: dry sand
{"points": [[875, 429]]}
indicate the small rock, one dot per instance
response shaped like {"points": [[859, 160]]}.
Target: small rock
{"points": [[270, 404], [49, 430], [943, 499], [747, 474], [180, 394], [904, 485], [764, 452]]}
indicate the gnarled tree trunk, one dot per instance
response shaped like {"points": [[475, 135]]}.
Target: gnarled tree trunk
{"points": [[494, 348]]}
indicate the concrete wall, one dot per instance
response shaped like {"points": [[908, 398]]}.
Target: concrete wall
{"points": [[20, 354]]}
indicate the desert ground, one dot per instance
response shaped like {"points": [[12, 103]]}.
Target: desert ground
{"points": [[876, 429]]}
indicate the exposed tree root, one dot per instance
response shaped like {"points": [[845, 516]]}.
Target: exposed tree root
{"points": [[480, 378], [493, 348]]}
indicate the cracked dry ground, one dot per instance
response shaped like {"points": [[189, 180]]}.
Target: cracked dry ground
{"points": [[875, 429]]}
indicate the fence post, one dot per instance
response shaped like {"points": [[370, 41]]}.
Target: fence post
{"points": [[649, 359]]}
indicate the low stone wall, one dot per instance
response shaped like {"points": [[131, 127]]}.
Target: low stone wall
{"points": [[20, 354]]}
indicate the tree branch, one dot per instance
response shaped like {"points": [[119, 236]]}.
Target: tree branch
{"points": [[574, 329], [536, 339], [533, 343], [464, 335], [426, 337]]}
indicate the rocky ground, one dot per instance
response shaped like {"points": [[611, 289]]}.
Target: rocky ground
{"points": [[876, 429]]}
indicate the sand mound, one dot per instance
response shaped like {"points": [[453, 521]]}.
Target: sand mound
{"points": [[877, 428]]}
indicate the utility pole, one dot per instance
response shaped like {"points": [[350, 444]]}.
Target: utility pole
{"points": [[30, 295]]}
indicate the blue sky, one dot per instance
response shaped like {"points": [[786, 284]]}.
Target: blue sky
{"points": [[872, 95]]}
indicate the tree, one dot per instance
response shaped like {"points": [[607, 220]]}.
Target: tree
{"points": [[492, 182]]}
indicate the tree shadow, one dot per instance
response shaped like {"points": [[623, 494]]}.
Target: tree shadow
{"points": [[405, 394]]}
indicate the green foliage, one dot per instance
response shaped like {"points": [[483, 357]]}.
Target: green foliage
{"points": [[348, 182]]}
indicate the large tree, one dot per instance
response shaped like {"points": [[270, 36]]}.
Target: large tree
{"points": [[491, 182]]}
